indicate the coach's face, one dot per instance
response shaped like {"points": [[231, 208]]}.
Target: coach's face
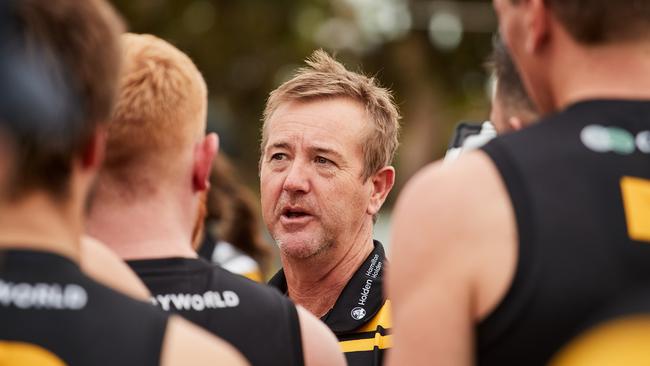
{"points": [[313, 194]]}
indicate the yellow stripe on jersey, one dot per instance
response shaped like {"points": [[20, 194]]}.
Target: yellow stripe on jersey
{"points": [[254, 275], [381, 319], [619, 342], [636, 199], [368, 344], [25, 354]]}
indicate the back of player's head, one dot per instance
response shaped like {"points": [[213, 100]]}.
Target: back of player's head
{"points": [[510, 96], [600, 21], [60, 64], [160, 113]]}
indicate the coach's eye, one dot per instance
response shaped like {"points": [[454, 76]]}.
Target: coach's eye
{"points": [[322, 160], [278, 156]]}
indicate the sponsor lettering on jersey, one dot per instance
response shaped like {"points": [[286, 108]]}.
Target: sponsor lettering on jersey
{"points": [[614, 139], [358, 313], [197, 302], [43, 296], [365, 290], [374, 267], [373, 270]]}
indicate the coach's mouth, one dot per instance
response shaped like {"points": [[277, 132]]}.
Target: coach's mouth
{"points": [[295, 215]]}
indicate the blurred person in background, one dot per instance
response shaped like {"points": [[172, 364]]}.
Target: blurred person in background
{"points": [[328, 139], [508, 270], [232, 237], [59, 65], [150, 195], [511, 108]]}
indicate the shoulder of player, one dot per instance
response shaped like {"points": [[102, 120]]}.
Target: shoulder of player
{"points": [[320, 346], [186, 342], [447, 211], [452, 193], [104, 266], [445, 225]]}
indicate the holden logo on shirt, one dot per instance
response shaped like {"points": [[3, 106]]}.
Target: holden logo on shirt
{"points": [[358, 313], [605, 139]]}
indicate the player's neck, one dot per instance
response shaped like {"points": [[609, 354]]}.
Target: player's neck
{"points": [[37, 222], [316, 283], [142, 229], [620, 71]]}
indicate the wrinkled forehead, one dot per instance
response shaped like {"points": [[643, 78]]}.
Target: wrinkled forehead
{"points": [[340, 121]]}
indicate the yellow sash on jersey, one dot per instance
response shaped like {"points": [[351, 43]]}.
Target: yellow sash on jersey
{"points": [[636, 199], [25, 354]]}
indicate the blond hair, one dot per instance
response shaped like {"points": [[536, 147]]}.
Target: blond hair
{"points": [[160, 111], [324, 77]]}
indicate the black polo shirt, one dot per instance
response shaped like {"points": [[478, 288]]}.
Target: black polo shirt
{"points": [[361, 316]]}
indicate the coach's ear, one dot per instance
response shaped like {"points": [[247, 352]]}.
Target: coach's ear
{"points": [[382, 183], [204, 153]]}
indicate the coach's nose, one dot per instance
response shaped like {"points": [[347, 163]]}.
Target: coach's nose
{"points": [[297, 179]]}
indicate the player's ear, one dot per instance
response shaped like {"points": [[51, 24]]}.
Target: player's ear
{"points": [[515, 123], [537, 25], [382, 183], [204, 153], [92, 154]]}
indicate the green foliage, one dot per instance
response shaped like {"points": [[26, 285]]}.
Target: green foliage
{"points": [[245, 48]]}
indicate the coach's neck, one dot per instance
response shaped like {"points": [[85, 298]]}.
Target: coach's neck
{"points": [[316, 282]]}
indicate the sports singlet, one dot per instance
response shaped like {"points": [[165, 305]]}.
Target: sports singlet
{"points": [[257, 320], [579, 183], [361, 316], [51, 314]]}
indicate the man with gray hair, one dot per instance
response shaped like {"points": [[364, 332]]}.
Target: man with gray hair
{"points": [[328, 140]]}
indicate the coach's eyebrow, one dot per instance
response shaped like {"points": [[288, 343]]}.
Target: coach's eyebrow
{"points": [[327, 151], [277, 145]]}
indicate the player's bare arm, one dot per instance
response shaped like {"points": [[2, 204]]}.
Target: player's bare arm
{"points": [[453, 231]]}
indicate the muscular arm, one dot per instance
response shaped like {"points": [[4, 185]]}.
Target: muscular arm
{"points": [[187, 344], [319, 345], [453, 259]]}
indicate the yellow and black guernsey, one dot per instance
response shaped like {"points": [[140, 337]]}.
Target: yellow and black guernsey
{"points": [[360, 317], [257, 320], [51, 314], [579, 184]]}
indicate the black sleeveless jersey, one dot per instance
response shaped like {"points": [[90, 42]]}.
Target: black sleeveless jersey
{"points": [[256, 319], [579, 183], [52, 314]]}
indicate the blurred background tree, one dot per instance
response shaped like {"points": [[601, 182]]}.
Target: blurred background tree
{"points": [[430, 53]]}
